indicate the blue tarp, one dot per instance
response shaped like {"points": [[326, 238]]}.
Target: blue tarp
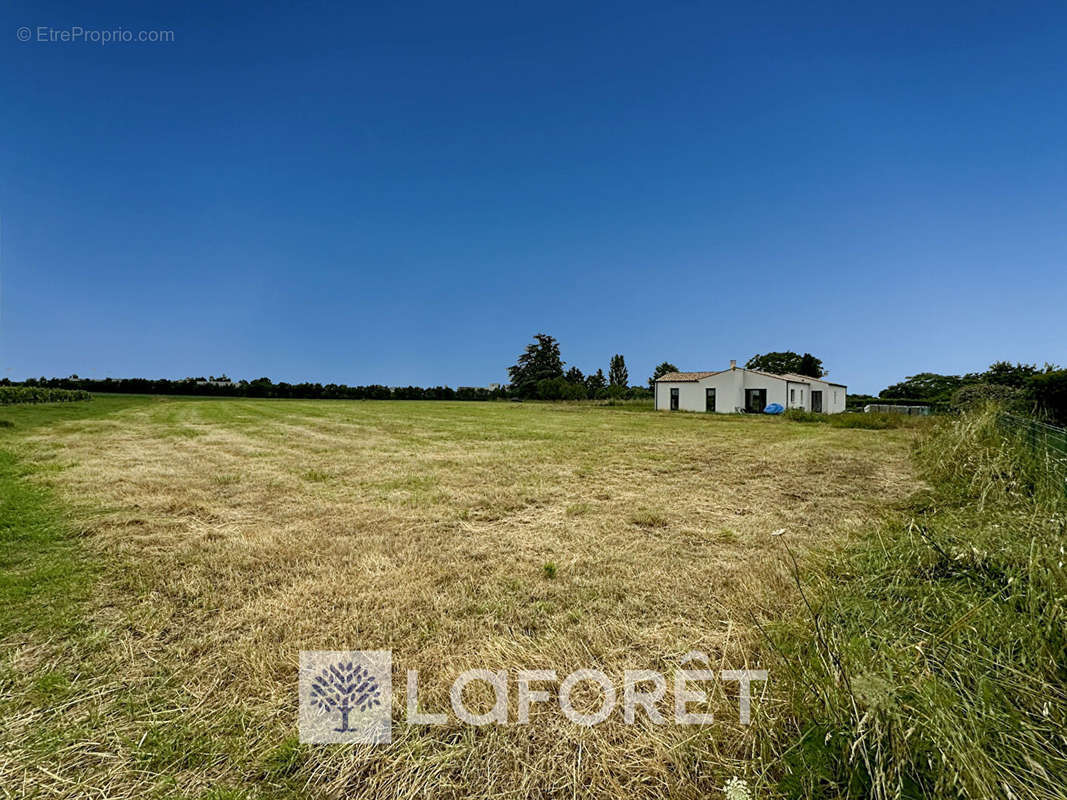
{"points": [[774, 408]]}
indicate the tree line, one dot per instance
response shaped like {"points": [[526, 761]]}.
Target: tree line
{"points": [[538, 374], [1025, 388], [263, 387]]}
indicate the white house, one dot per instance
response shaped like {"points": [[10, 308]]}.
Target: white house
{"points": [[735, 390]]}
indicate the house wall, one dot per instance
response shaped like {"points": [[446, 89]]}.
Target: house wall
{"points": [[690, 395], [833, 397], [727, 387], [799, 395], [776, 388], [837, 399], [730, 392]]}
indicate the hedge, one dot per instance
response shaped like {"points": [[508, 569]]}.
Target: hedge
{"points": [[9, 395]]}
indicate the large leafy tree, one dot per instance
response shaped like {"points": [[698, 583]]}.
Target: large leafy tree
{"points": [[775, 363], [810, 366], [1007, 374], [659, 372], [574, 375], [930, 387], [779, 363], [540, 361], [617, 374]]}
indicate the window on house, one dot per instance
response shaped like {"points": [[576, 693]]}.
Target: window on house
{"points": [[755, 400], [674, 399], [792, 396], [709, 399]]}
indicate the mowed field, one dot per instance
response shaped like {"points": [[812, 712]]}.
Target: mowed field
{"points": [[218, 538]]}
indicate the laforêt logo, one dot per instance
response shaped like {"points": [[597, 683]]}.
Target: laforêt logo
{"points": [[345, 696]]}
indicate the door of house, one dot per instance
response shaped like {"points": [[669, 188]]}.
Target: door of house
{"points": [[709, 400], [816, 401], [674, 399], [755, 400]]}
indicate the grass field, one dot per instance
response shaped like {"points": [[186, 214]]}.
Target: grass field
{"points": [[168, 559]]}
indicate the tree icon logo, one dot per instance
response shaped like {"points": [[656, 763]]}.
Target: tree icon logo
{"points": [[345, 696], [345, 687]]}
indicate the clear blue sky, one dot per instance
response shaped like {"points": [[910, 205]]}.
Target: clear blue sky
{"points": [[404, 193]]}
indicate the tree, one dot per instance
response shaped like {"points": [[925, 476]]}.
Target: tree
{"points": [[810, 366], [1005, 373], [617, 374], [540, 361], [574, 375], [775, 363], [1048, 394], [787, 361], [595, 382], [930, 387], [659, 372]]}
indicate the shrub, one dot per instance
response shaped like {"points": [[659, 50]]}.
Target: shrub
{"points": [[876, 421], [10, 395], [551, 389], [1048, 394], [976, 395], [800, 415]]}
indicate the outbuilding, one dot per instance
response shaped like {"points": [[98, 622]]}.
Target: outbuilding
{"points": [[739, 390]]}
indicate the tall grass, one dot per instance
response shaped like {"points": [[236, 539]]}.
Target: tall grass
{"points": [[933, 662], [872, 421]]}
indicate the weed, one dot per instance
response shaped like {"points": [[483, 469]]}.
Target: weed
{"points": [[649, 519]]}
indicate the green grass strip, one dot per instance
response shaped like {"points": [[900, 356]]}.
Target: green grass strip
{"points": [[42, 576]]}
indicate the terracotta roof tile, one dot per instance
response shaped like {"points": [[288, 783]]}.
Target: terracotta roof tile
{"points": [[682, 377], [692, 377]]}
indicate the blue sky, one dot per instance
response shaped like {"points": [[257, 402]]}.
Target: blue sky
{"points": [[404, 193]]}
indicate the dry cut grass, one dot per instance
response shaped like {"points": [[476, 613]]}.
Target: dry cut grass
{"points": [[236, 533]]}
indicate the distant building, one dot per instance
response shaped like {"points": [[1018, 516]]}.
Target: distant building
{"points": [[492, 387], [736, 390]]}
